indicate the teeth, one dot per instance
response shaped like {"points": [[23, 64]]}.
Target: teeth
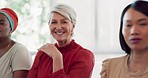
{"points": [[59, 33]]}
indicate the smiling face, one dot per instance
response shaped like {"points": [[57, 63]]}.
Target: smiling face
{"points": [[61, 28], [4, 26], [135, 30]]}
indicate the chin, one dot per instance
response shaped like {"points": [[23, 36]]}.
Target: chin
{"points": [[60, 40]]}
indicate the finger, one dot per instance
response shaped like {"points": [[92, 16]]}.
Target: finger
{"points": [[42, 47]]}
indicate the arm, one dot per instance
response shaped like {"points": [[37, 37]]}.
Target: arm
{"points": [[55, 54], [20, 74], [81, 67], [57, 62], [21, 62], [104, 70], [34, 69]]}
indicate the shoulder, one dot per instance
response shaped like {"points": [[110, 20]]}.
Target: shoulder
{"points": [[79, 53], [81, 49], [21, 57], [84, 54], [18, 45], [19, 49], [115, 60], [111, 64], [84, 51]]}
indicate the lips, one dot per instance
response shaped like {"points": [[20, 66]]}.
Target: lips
{"points": [[59, 32], [135, 40]]}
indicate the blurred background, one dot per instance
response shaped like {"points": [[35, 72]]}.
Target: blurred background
{"points": [[97, 26]]}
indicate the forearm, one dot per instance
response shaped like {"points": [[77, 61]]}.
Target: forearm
{"points": [[76, 72], [57, 62]]}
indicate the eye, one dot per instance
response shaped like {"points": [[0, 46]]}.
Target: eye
{"points": [[53, 22], [64, 21], [143, 24], [128, 25], [2, 23]]}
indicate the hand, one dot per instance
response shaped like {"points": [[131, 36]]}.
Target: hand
{"points": [[55, 54], [50, 50]]}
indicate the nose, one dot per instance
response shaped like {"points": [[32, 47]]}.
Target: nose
{"points": [[135, 30], [59, 26]]}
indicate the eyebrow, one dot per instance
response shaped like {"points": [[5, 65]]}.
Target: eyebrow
{"points": [[61, 20], [143, 19]]}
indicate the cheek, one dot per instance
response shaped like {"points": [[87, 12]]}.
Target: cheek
{"points": [[51, 29], [125, 33], [5, 29], [71, 28], [145, 34], [8, 29], [70, 31], [5, 32]]}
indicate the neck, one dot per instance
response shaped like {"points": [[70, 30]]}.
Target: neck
{"points": [[139, 56], [63, 43], [4, 42], [138, 61]]}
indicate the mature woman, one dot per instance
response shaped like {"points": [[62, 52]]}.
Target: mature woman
{"points": [[134, 41], [15, 60], [66, 58]]}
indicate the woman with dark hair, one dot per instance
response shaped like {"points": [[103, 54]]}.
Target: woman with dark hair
{"points": [[134, 41]]}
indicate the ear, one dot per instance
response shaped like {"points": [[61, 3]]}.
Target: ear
{"points": [[73, 28], [73, 25], [10, 31]]}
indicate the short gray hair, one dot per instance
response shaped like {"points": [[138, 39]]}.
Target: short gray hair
{"points": [[64, 10]]}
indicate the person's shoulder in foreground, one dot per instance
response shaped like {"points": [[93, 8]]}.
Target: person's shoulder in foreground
{"points": [[15, 58]]}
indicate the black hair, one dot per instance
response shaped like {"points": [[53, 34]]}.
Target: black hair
{"points": [[139, 5]]}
